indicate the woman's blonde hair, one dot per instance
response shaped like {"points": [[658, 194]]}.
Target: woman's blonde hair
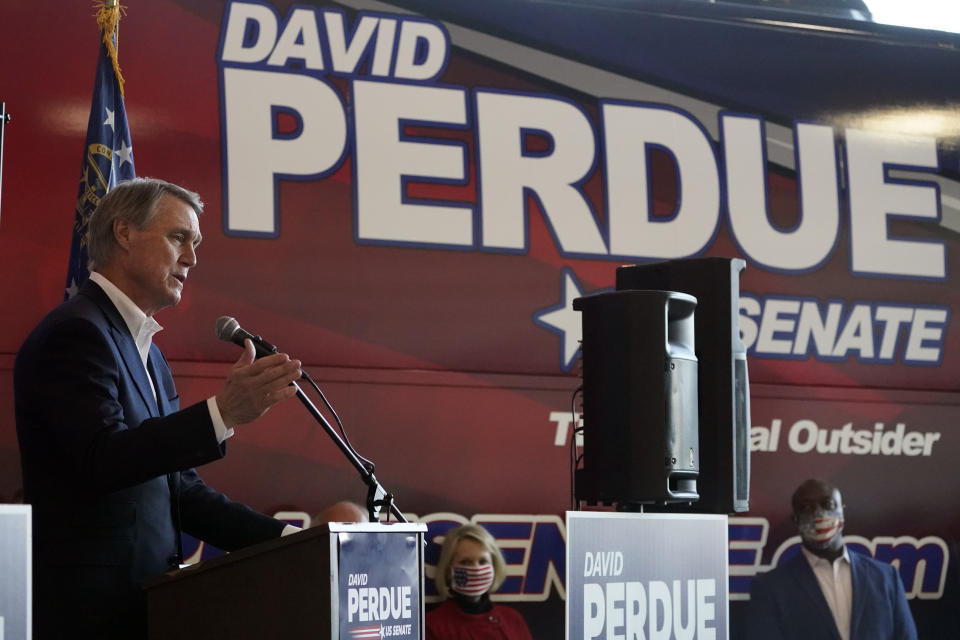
{"points": [[450, 541]]}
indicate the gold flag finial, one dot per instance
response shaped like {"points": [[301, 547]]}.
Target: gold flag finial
{"points": [[108, 17]]}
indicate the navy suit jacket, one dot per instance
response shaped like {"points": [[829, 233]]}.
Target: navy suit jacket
{"points": [[109, 472], [787, 603]]}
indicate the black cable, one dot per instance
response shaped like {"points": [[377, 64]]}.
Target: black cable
{"points": [[367, 463], [574, 459]]}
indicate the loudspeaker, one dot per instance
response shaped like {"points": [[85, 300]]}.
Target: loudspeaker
{"points": [[640, 440], [723, 381]]}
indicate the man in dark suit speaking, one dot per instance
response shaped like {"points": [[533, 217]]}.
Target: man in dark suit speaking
{"points": [[825, 591], [106, 451]]}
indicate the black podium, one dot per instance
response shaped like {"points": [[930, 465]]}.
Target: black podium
{"points": [[339, 581]]}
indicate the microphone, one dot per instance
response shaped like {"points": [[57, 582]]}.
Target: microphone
{"points": [[229, 329]]}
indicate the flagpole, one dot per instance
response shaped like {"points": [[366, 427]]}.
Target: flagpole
{"points": [[4, 119], [112, 4]]}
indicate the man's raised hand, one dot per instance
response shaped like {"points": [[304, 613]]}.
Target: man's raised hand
{"points": [[253, 386]]}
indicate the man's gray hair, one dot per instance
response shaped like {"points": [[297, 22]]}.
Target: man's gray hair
{"points": [[135, 201]]}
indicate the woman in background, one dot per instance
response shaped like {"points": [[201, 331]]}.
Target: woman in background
{"points": [[470, 568]]}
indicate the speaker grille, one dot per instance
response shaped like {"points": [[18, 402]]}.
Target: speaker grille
{"points": [[741, 434]]}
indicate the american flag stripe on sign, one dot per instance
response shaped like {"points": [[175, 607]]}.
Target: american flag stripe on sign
{"points": [[365, 632]]}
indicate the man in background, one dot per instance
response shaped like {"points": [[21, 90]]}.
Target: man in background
{"points": [[107, 453], [826, 592], [343, 511]]}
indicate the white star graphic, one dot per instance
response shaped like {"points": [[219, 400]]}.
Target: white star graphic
{"points": [[124, 153], [72, 289], [109, 120], [564, 320], [381, 631]]}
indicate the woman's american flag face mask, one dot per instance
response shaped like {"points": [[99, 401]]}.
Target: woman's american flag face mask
{"points": [[472, 581]]}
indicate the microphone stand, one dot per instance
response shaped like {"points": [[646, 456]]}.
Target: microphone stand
{"points": [[4, 119], [377, 496]]}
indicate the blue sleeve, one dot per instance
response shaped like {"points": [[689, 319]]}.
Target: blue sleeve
{"points": [[904, 627], [762, 621], [211, 516]]}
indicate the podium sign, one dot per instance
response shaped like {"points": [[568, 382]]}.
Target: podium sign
{"points": [[654, 576], [15, 572], [379, 599]]}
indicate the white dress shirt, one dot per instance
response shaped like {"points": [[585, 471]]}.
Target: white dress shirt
{"points": [[836, 583]]}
